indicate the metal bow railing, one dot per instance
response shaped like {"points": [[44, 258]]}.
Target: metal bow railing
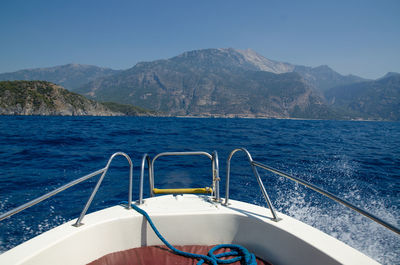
{"points": [[255, 164], [102, 171], [215, 182], [150, 164]]}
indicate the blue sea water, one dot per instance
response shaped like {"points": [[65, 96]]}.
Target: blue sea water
{"points": [[360, 161]]}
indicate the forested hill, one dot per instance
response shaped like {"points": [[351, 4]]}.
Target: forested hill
{"points": [[45, 98]]}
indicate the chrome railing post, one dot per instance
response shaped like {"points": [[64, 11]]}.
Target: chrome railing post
{"points": [[265, 194], [151, 178], [79, 221], [216, 179], [255, 172], [145, 158], [228, 175], [130, 180]]}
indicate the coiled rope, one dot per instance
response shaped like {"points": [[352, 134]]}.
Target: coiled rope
{"points": [[239, 252]]}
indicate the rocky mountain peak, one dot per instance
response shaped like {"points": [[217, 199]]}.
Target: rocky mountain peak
{"points": [[245, 59], [323, 67], [390, 74], [265, 64]]}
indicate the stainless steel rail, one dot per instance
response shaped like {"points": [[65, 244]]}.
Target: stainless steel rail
{"points": [[254, 166], [102, 171], [329, 195], [216, 179], [145, 158], [96, 188], [215, 168], [255, 172], [50, 194]]}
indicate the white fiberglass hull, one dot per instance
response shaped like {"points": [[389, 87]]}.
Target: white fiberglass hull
{"points": [[185, 220]]}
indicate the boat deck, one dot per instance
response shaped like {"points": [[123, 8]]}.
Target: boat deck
{"points": [[184, 220]]}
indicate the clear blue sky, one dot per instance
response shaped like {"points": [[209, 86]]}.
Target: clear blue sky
{"points": [[358, 37]]}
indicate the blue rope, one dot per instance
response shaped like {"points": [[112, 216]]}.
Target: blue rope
{"points": [[238, 251]]}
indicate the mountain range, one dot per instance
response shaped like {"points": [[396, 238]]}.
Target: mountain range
{"points": [[70, 76], [230, 83], [376, 100]]}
